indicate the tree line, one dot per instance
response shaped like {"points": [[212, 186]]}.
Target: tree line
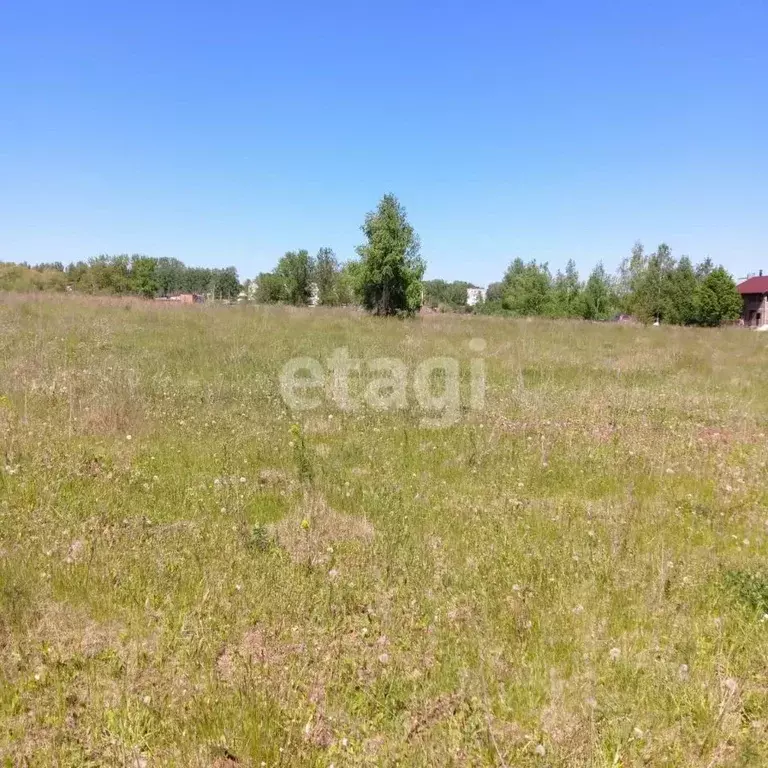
{"points": [[386, 278], [651, 287], [122, 275]]}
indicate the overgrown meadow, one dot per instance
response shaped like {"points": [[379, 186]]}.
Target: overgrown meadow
{"points": [[192, 575]]}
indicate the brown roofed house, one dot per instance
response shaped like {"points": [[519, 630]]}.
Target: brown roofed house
{"points": [[754, 291]]}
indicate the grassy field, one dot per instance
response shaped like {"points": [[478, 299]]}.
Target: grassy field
{"points": [[192, 575]]}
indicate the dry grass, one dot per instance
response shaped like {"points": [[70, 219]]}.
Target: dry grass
{"points": [[573, 576], [313, 531]]}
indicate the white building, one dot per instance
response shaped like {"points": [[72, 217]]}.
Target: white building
{"points": [[475, 295]]}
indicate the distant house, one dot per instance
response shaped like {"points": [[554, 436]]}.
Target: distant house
{"points": [[475, 295], [754, 292], [184, 298]]}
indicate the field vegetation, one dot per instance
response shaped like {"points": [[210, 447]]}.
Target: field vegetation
{"points": [[193, 575]]}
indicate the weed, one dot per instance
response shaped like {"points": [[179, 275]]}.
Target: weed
{"points": [[751, 588]]}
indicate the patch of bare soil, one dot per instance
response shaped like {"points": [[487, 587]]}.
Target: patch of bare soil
{"points": [[273, 478], [566, 719], [255, 648], [313, 529], [69, 632]]}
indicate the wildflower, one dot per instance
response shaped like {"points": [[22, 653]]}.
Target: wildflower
{"points": [[305, 524], [128, 437]]}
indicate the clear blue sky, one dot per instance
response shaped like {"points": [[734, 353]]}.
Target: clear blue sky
{"points": [[229, 132]]}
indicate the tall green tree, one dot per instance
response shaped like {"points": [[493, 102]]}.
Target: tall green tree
{"points": [[717, 299], [683, 285], [390, 267], [526, 288], [651, 297], [326, 276], [295, 269], [565, 298], [143, 276], [348, 281], [224, 283], [270, 289], [598, 302], [630, 275], [169, 274]]}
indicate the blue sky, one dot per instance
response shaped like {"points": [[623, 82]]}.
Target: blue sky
{"points": [[229, 132]]}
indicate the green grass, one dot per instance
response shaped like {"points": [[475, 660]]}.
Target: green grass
{"points": [[573, 576]]}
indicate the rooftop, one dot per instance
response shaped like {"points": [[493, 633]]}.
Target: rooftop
{"points": [[757, 284]]}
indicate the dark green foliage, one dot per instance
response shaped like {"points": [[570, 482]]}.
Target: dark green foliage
{"points": [[388, 278], [682, 293], [597, 299], [270, 289], [655, 287], [295, 269], [223, 283], [566, 299], [121, 275], [526, 288], [327, 277], [717, 299], [442, 294], [650, 287], [301, 455], [260, 538], [750, 587]]}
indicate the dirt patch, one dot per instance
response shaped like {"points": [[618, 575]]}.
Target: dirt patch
{"points": [[318, 732], [256, 648], [69, 632], [273, 478], [565, 719], [313, 529], [432, 712]]}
